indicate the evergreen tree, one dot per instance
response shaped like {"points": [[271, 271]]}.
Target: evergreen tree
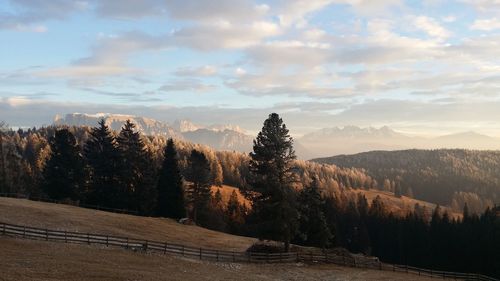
{"points": [[235, 214], [170, 185], [271, 191], [198, 190], [103, 166], [137, 180], [63, 173], [313, 228], [3, 168]]}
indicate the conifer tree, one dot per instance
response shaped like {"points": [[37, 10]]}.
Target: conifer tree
{"points": [[235, 213], [63, 173], [103, 166], [270, 190], [138, 188], [3, 168], [198, 190], [170, 185], [313, 229]]}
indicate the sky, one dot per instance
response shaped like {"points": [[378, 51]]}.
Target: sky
{"points": [[422, 67]]}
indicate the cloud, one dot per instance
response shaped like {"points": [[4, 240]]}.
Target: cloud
{"points": [[109, 56], [206, 70], [192, 85], [130, 9], [431, 27], [26, 14], [486, 24], [224, 35]]}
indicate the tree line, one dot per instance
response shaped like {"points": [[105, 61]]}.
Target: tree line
{"points": [[289, 202]]}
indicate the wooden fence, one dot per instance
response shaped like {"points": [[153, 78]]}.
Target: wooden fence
{"points": [[142, 245]]}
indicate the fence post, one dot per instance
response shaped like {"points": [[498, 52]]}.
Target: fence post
{"points": [[24, 231], [127, 243], [234, 257], [4, 229], [88, 238], [107, 240], [165, 248], [65, 236], [182, 250], [201, 253], [146, 246], [46, 234]]}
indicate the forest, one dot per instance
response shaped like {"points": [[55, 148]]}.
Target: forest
{"points": [[295, 202], [450, 177]]}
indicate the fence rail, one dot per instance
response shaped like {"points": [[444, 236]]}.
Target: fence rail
{"points": [[223, 255]]}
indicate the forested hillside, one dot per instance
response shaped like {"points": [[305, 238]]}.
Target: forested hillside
{"points": [[26, 151], [447, 177]]}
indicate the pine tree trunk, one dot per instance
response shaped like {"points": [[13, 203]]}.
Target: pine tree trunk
{"points": [[287, 246]]}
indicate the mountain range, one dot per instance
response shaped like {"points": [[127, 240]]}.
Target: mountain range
{"points": [[219, 137], [352, 139], [321, 143]]}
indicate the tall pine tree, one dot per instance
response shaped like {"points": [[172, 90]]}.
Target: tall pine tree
{"points": [[314, 230], [103, 166], [170, 185], [63, 173], [137, 179], [200, 181], [270, 190]]}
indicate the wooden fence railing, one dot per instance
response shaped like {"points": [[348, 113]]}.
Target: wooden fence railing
{"points": [[222, 255], [48, 200]]}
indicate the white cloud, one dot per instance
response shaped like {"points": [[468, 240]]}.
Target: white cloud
{"points": [[188, 84], [486, 24], [431, 27], [224, 34], [206, 70]]}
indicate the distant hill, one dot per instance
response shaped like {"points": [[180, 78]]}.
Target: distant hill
{"points": [[220, 137], [446, 176], [353, 139]]}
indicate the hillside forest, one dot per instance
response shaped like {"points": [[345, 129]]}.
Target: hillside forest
{"points": [[292, 201]]}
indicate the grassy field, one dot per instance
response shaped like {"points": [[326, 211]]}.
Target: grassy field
{"points": [[402, 204], [39, 260], [64, 217]]}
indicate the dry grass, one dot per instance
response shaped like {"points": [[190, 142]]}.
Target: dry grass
{"points": [[38, 260], [400, 205], [64, 217]]}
